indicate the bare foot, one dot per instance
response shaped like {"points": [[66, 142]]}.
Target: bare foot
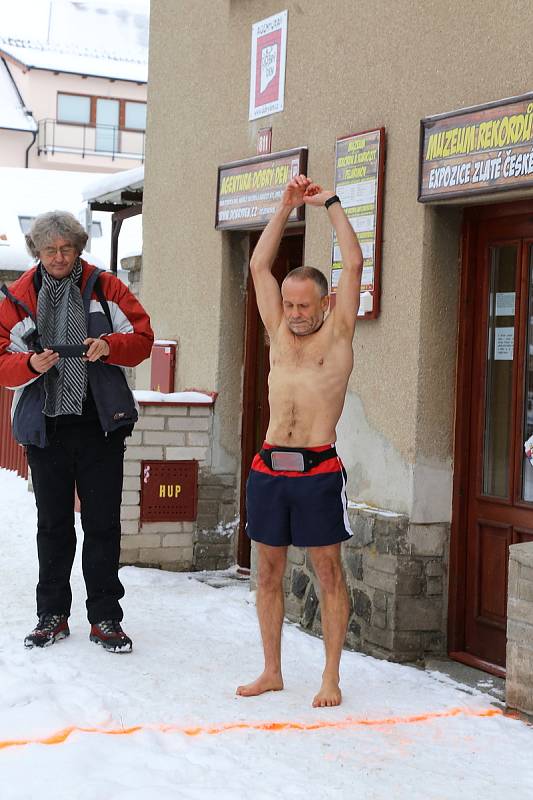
{"points": [[267, 682], [329, 694]]}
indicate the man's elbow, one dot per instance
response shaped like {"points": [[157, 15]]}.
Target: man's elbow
{"points": [[355, 264], [258, 265]]}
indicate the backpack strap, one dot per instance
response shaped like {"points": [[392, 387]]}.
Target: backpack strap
{"points": [[5, 291], [93, 284], [103, 302]]}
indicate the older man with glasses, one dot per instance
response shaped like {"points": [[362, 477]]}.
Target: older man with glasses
{"points": [[67, 330]]}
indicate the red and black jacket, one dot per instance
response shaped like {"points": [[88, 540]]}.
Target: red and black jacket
{"points": [[123, 323]]}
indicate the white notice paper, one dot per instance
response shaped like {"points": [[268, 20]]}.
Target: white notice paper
{"points": [[505, 303], [504, 344]]}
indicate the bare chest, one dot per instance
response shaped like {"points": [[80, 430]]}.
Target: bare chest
{"points": [[301, 353]]}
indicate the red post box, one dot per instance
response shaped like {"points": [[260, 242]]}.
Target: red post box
{"points": [[163, 366]]}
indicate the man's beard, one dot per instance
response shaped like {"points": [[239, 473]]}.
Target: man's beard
{"points": [[317, 324]]}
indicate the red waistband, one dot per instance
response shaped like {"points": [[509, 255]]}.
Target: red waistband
{"points": [[319, 449], [333, 464]]}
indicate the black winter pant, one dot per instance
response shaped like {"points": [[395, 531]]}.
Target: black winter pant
{"points": [[79, 455]]}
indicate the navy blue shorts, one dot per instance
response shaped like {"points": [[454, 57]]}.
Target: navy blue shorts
{"points": [[306, 509]]}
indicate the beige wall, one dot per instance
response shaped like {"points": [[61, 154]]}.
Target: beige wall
{"points": [[350, 66], [39, 89], [13, 145]]}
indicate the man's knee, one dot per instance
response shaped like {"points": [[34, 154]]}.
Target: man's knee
{"points": [[329, 573], [270, 572]]}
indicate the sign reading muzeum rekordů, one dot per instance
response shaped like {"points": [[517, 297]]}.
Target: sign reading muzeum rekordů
{"points": [[477, 150]]}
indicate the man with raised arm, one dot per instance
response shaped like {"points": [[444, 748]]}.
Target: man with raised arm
{"points": [[296, 488]]}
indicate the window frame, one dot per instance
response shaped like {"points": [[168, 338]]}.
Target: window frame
{"points": [[123, 116], [92, 117], [92, 109]]}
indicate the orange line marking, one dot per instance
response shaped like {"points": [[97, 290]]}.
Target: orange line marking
{"points": [[346, 724]]}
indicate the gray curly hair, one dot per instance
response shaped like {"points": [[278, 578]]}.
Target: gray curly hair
{"points": [[52, 225]]}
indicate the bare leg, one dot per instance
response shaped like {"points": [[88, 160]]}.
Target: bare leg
{"points": [[270, 606], [335, 610]]}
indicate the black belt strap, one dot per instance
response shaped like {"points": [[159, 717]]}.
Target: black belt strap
{"points": [[312, 458]]}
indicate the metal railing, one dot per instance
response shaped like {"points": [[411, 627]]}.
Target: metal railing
{"points": [[12, 455], [106, 141]]}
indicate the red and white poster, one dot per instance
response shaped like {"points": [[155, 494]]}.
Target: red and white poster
{"points": [[267, 79]]}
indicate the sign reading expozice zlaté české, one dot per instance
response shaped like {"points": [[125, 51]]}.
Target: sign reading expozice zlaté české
{"points": [[477, 150], [250, 190], [359, 161]]}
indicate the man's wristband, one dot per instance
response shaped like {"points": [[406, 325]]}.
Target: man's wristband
{"points": [[329, 202]]}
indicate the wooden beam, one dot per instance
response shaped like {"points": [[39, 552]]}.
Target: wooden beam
{"points": [[97, 206], [131, 196]]}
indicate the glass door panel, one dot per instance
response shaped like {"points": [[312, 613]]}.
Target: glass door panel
{"points": [[499, 376], [107, 124], [527, 468]]}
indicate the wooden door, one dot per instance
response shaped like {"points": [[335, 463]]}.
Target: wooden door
{"points": [[256, 412], [493, 502]]}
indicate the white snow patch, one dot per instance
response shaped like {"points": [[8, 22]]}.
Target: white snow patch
{"points": [[104, 185], [383, 512], [105, 38], [13, 115], [147, 396]]}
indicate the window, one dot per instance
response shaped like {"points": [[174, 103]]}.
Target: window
{"points": [[25, 224], [79, 109], [135, 115], [96, 230], [74, 108]]}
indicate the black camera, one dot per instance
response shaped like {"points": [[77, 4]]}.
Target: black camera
{"points": [[32, 340]]}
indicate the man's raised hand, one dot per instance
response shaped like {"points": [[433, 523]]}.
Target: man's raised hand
{"points": [[315, 195], [294, 193]]}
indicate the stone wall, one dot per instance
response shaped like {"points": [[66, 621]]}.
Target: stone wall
{"points": [[519, 679], [9, 276], [177, 431], [133, 266], [397, 577]]}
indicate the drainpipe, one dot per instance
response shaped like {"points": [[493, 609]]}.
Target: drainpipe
{"points": [[29, 148]]}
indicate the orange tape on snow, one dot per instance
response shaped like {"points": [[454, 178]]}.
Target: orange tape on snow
{"points": [[346, 724]]}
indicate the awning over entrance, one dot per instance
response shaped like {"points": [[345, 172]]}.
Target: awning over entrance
{"points": [[121, 194]]}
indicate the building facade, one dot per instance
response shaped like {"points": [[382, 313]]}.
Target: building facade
{"points": [[67, 108], [436, 413]]}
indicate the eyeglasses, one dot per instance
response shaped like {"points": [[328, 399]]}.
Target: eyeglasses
{"points": [[51, 252]]}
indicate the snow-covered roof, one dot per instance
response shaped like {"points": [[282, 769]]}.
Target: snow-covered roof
{"points": [[12, 112], [76, 60], [109, 188]]}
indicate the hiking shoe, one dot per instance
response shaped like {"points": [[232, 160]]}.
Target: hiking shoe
{"points": [[50, 628], [110, 635]]}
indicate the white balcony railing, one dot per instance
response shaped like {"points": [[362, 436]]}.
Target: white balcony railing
{"points": [[105, 141]]}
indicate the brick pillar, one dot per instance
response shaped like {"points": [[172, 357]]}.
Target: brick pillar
{"points": [[178, 432]]}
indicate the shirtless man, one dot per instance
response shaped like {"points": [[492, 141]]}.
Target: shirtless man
{"points": [[296, 488]]}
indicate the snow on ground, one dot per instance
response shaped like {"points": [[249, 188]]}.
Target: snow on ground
{"points": [[192, 645]]}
